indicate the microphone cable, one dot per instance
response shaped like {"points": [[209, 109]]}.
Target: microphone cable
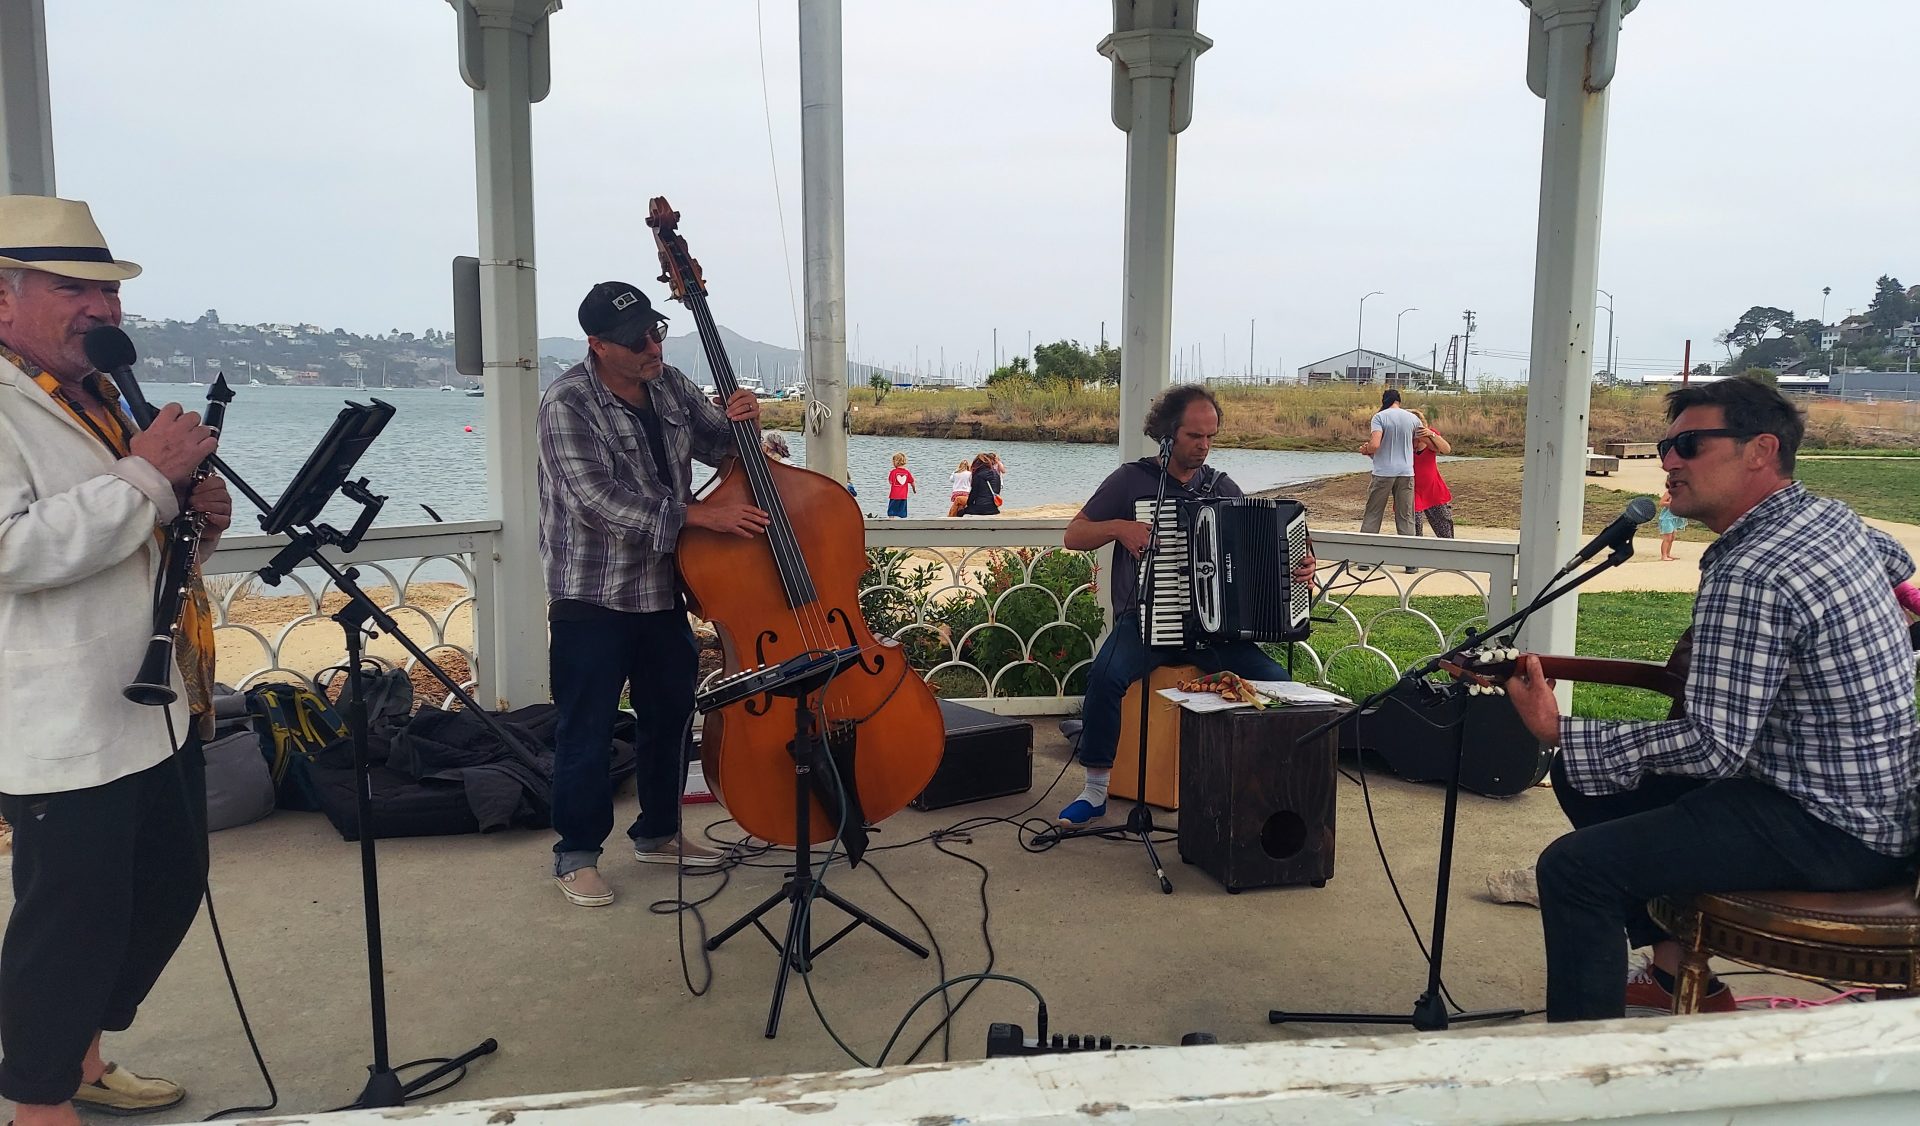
{"points": [[213, 921]]}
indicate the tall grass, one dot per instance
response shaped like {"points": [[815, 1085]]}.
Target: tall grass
{"points": [[1488, 422]]}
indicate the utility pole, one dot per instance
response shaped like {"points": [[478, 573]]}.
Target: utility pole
{"points": [[1250, 322], [996, 349], [1464, 344]]}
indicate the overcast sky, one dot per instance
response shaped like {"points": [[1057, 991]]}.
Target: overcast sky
{"points": [[299, 161]]}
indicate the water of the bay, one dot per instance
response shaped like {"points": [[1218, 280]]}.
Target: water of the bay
{"points": [[428, 455]]}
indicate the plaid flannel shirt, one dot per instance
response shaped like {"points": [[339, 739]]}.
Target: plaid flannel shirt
{"points": [[608, 523], [1802, 676]]}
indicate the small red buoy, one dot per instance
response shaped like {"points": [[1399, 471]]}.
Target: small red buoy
{"points": [[469, 429]]}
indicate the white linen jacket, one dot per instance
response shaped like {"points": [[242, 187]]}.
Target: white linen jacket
{"points": [[78, 561]]}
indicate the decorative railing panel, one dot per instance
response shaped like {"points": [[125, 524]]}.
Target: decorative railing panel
{"points": [[435, 580], [996, 609]]}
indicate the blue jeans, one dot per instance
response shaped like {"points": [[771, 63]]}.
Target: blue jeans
{"points": [[897, 507], [654, 656], [1672, 835], [1125, 658]]}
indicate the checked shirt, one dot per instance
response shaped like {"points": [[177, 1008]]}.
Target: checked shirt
{"points": [[1802, 676], [609, 523]]}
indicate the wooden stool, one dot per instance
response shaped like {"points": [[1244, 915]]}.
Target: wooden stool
{"points": [[1163, 741], [1854, 938]]}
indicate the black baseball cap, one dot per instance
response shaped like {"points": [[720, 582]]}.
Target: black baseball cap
{"points": [[618, 313]]}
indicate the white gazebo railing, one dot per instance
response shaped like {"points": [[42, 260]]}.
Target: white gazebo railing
{"points": [[993, 611], [437, 580]]}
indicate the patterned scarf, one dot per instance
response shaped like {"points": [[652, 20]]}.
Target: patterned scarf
{"points": [[193, 642]]}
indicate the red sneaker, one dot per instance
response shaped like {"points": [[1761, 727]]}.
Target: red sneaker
{"points": [[1646, 997]]}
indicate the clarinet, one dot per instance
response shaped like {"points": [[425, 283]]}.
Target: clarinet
{"points": [[152, 684]]}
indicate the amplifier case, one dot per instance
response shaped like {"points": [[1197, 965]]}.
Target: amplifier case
{"points": [[987, 756]]}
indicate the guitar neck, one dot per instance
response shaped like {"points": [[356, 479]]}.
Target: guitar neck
{"points": [[1648, 675]]}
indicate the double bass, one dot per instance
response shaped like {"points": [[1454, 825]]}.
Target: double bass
{"points": [[787, 595]]}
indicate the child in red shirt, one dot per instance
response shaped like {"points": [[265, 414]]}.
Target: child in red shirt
{"points": [[899, 481]]}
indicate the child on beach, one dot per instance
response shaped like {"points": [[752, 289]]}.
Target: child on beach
{"points": [[1670, 526], [962, 485], [899, 482]]}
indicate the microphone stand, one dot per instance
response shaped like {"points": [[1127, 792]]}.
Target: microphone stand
{"points": [[1430, 1010], [385, 1087], [1140, 817]]}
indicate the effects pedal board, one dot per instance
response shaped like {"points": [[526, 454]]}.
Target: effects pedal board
{"points": [[1005, 1040]]}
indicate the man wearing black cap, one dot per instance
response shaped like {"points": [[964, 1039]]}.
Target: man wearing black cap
{"points": [[618, 434]]}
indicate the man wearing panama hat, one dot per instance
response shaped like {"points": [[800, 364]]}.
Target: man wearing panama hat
{"points": [[109, 837]]}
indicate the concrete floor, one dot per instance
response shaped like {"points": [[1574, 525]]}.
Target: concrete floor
{"points": [[479, 943]]}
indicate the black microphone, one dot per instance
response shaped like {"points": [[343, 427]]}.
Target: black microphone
{"points": [[1166, 449], [1639, 510], [112, 352]]}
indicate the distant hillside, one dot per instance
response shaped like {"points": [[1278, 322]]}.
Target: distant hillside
{"points": [[186, 351]]}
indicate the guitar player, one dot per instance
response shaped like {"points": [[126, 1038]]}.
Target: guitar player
{"points": [[1794, 765]]}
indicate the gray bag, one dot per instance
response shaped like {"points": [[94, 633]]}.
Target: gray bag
{"points": [[239, 786]]}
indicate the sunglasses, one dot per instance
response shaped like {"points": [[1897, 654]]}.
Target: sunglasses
{"points": [[657, 334], [1687, 442]]}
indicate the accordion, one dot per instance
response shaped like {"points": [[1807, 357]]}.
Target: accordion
{"points": [[1223, 571]]}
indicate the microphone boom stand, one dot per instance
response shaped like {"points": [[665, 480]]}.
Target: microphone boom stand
{"points": [[1140, 818], [1430, 1011]]}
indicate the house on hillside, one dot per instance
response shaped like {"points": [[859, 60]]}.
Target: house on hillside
{"points": [[1364, 365]]}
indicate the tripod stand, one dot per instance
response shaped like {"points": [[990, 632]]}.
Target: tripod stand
{"points": [[1430, 1010], [1140, 818], [803, 885]]}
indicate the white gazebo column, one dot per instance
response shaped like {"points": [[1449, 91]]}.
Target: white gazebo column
{"points": [[1153, 47], [823, 236], [1570, 57], [503, 56], [26, 109]]}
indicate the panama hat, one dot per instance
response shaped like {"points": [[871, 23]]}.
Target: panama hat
{"points": [[57, 236]]}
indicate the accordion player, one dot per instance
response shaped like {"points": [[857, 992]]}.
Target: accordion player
{"points": [[1223, 572]]}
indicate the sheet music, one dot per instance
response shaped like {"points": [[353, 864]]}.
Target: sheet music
{"points": [[1281, 693]]}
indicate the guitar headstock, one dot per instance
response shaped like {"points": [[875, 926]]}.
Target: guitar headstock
{"points": [[1484, 671], [677, 267]]}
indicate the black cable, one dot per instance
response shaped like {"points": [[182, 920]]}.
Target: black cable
{"points": [[213, 920], [986, 934], [939, 960]]}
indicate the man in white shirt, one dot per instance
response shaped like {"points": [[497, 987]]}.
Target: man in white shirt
{"points": [[1390, 445], [109, 831]]}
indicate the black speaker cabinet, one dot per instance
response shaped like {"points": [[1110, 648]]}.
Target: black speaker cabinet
{"points": [[1414, 731], [987, 756], [1256, 810]]}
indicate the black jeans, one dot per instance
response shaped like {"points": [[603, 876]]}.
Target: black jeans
{"points": [[106, 883], [654, 657], [1673, 835]]}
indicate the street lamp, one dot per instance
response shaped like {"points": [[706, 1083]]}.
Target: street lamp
{"points": [[1357, 347], [1611, 374], [1396, 335]]}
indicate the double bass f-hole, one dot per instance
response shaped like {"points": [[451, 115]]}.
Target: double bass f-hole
{"points": [[762, 658], [837, 616]]}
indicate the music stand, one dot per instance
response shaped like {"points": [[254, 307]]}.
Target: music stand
{"points": [[803, 885], [1430, 1010], [1140, 818], [325, 472]]}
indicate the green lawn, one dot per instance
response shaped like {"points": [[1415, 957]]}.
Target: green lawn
{"points": [[1634, 624], [1885, 489]]}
